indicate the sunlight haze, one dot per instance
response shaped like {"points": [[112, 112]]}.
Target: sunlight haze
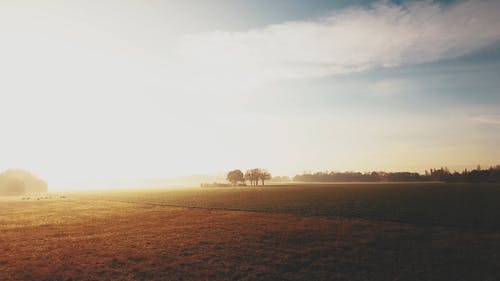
{"points": [[103, 93]]}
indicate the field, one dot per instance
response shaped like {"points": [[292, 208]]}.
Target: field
{"points": [[299, 232]]}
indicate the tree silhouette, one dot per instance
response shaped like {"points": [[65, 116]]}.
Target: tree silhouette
{"points": [[253, 176], [264, 175], [442, 174], [18, 182], [256, 174], [235, 176]]}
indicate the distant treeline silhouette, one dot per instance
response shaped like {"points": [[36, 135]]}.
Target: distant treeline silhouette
{"points": [[442, 174], [15, 182]]}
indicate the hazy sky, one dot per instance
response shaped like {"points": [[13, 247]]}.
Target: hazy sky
{"points": [[99, 92]]}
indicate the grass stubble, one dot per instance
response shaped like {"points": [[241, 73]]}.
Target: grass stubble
{"points": [[88, 238]]}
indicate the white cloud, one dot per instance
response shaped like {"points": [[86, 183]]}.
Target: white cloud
{"points": [[356, 39]]}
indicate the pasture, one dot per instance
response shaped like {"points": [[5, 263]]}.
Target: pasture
{"points": [[463, 205], [413, 231]]}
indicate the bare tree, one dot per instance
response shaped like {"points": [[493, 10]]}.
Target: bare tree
{"points": [[264, 175], [252, 176]]}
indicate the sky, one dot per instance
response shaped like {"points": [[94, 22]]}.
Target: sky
{"points": [[100, 93]]}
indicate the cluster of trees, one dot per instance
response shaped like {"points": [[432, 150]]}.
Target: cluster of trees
{"points": [[357, 176], [491, 174], [252, 175], [18, 182]]}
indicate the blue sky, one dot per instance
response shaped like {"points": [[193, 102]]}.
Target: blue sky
{"points": [[97, 93], [244, 14]]}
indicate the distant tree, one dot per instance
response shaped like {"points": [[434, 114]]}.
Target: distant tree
{"points": [[248, 177], [235, 176], [18, 182], [264, 175], [253, 176], [11, 186]]}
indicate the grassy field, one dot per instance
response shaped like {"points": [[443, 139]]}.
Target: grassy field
{"points": [[463, 205], [300, 232]]}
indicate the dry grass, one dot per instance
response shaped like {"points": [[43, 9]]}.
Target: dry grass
{"points": [[76, 239], [464, 205]]}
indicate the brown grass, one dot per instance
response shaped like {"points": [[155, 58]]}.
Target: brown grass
{"points": [[73, 239]]}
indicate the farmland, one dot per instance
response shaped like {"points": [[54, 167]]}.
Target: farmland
{"points": [[395, 231], [464, 205]]}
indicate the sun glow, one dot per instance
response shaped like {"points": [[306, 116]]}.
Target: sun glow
{"points": [[93, 98]]}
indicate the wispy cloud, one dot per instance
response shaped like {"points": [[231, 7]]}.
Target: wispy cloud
{"points": [[487, 119], [356, 39]]}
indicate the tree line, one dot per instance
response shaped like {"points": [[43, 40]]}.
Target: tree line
{"points": [[254, 176], [491, 174]]}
